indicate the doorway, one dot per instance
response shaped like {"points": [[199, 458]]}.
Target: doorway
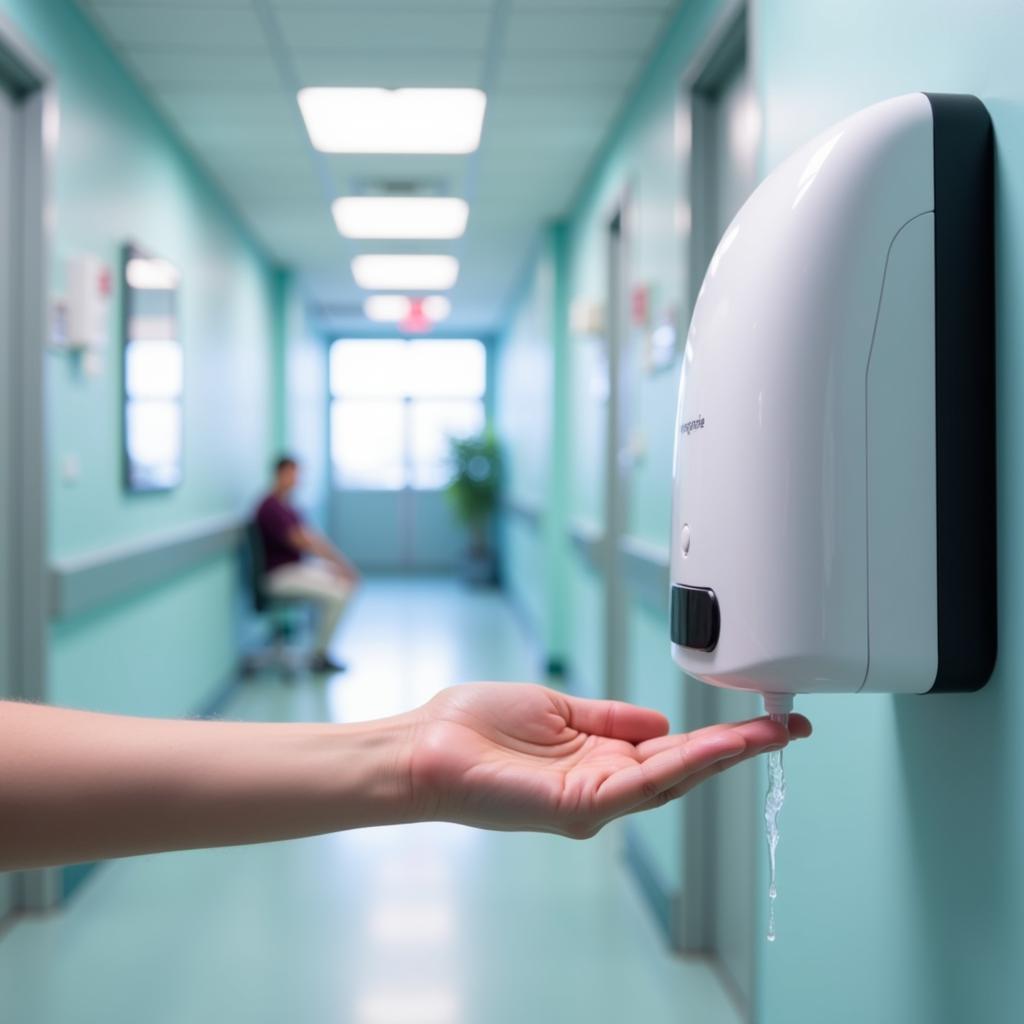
{"points": [[25, 101], [722, 839], [619, 410], [8, 157]]}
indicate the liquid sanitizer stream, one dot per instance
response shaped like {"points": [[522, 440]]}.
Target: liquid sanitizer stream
{"points": [[776, 795]]}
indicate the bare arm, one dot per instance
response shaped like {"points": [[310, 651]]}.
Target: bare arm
{"points": [[79, 786], [306, 539]]}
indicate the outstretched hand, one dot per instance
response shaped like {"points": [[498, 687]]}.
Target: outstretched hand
{"points": [[523, 757]]}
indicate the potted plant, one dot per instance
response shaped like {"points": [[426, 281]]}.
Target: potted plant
{"points": [[473, 491]]}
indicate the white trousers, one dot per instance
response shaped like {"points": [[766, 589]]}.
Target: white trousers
{"points": [[313, 581]]}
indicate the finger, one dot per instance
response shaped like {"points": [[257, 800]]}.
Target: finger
{"points": [[752, 729], [644, 782], [614, 719], [674, 792], [799, 727]]}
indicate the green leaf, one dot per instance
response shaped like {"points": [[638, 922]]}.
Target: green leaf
{"points": [[476, 485]]}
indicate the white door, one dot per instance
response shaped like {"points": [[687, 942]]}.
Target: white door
{"points": [[8, 158]]}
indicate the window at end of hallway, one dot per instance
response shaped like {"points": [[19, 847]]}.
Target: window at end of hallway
{"points": [[394, 405]]}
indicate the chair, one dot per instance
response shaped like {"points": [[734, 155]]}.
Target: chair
{"points": [[275, 654]]}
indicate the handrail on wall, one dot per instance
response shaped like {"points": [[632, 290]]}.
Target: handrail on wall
{"points": [[83, 583]]}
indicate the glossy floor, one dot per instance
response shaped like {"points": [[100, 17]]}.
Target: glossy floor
{"points": [[430, 924]]}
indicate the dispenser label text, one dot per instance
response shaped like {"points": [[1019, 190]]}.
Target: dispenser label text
{"points": [[689, 426]]}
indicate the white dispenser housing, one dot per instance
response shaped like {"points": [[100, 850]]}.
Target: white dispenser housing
{"points": [[833, 522]]}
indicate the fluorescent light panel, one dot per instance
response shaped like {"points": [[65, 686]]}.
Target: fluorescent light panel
{"points": [[393, 308], [427, 1006], [151, 274], [436, 308], [386, 309], [400, 216], [393, 120], [404, 272], [410, 923]]}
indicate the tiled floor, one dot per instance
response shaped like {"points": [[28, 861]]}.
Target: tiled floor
{"points": [[429, 924]]}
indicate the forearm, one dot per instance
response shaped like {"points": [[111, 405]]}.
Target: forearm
{"points": [[321, 546], [79, 786], [312, 543]]}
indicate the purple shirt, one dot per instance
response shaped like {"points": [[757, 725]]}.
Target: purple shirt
{"points": [[276, 519]]}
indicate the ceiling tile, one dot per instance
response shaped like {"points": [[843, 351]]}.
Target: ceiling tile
{"points": [[562, 73], [215, 135], [196, 72], [532, 72], [439, 175], [361, 30], [200, 29], [206, 5], [268, 109], [582, 31], [391, 6], [298, 188], [617, 7], [428, 69]]}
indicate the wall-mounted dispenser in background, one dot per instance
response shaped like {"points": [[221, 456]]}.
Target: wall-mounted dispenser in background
{"points": [[834, 522], [80, 318], [89, 290]]}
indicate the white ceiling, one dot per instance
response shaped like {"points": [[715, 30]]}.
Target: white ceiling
{"points": [[556, 72]]}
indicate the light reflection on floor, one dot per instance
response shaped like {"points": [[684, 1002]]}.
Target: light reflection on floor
{"points": [[425, 924]]}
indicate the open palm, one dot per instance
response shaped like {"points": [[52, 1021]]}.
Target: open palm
{"points": [[519, 756]]}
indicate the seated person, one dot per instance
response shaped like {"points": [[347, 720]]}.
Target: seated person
{"points": [[327, 579]]}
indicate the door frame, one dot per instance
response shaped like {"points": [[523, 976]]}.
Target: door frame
{"points": [[31, 84], [729, 35], [618, 237]]}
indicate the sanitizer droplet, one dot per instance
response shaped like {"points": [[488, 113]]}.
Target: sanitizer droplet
{"points": [[772, 805]]}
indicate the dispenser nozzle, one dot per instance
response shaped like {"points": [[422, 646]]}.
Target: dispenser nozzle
{"points": [[778, 703]]}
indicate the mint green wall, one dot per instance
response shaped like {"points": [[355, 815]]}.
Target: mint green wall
{"points": [[644, 167], [529, 413], [160, 653], [523, 403], [524, 390], [641, 165], [902, 889], [305, 400], [119, 176]]}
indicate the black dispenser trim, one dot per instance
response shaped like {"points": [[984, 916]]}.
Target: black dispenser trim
{"points": [[965, 399], [695, 618]]}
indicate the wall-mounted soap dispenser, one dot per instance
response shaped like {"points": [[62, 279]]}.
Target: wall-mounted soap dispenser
{"points": [[833, 523]]}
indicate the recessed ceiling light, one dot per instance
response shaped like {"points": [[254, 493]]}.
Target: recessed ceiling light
{"points": [[402, 923], [437, 1006], [393, 120], [400, 216], [401, 273], [436, 308], [386, 309], [389, 309]]}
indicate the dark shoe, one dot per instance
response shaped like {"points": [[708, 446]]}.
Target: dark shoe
{"points": [[321, 663]]}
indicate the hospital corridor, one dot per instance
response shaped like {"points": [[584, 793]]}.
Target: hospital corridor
{"points": [[510, 512], [431, 922]]}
